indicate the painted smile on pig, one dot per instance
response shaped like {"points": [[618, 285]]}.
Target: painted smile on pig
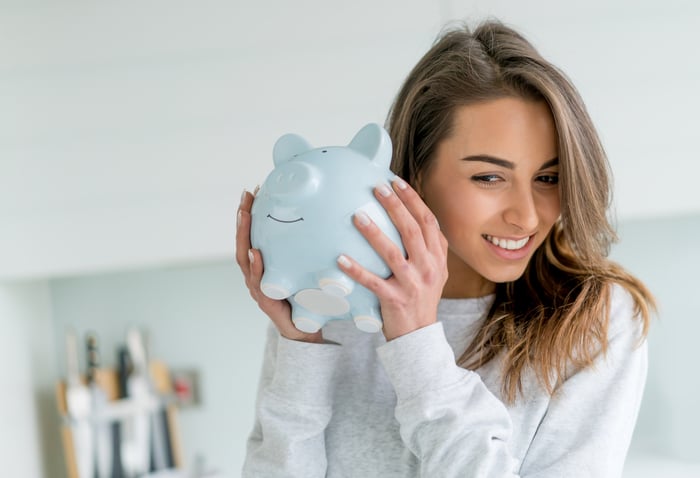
{"points": [[283, 221]]}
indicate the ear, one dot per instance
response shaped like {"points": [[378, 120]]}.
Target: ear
{"points": [[287, 147], [373, 141]]}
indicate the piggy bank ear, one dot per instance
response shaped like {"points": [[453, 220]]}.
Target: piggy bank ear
{"points": [[289, 146], [373, 141]]}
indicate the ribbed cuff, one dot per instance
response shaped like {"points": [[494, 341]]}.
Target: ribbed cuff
{"points": [[419, 362], [304, 372]]}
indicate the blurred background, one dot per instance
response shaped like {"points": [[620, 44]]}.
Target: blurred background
{"points": [[129, 129]]}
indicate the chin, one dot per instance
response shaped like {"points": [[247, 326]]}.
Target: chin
{"points": [[505, 275]]}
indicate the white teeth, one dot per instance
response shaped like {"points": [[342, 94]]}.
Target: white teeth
{"points": [[508, 244]]}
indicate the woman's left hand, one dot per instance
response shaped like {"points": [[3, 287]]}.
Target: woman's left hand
{"points": [[409, 298]]}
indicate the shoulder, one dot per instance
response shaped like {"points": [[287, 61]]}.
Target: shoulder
{"points": [[621, 347], [624, 317]]}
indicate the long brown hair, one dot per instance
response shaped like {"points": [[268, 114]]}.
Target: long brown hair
{"points": [[556, 314]]}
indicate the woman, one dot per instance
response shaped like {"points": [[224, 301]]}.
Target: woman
{"points": [[511, 345]]}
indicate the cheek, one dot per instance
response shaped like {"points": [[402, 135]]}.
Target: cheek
{"points": [[463, 218], [550, 209]]}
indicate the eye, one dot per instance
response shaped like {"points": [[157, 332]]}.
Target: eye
{"points": [[548, 179], [487, 179]]}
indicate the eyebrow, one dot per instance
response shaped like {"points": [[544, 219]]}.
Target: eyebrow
{"points": [[504, 163]]}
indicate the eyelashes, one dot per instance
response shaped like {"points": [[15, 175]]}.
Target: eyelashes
{"points": [[487, 178], [490, 180]]}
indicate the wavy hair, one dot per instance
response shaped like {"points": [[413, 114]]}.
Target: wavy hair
{"points": [[557, 313]]}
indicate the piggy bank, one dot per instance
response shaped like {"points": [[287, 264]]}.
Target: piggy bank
{"points": [[301, 221]]}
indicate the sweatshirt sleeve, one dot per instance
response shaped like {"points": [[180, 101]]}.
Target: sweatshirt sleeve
{"points": [[455, 427], [448, 418], [293, 409]]}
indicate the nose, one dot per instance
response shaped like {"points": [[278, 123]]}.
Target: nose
{"points": [[521, 210], [293, 179]]}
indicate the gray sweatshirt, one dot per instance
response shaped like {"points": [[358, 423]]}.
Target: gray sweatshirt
{"points": [[362, 407]]}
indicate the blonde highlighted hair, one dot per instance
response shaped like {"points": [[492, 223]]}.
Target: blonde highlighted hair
{"points": [[556, 314]]}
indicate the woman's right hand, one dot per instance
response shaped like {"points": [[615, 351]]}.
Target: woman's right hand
{"points": [[251, 264]]}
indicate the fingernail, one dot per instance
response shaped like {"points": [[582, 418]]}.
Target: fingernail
{"points": [[383, 190], [362, 218], [243, 195], [343, 261], [400, 183], [238, 219], [251, 256], [257, 188]]}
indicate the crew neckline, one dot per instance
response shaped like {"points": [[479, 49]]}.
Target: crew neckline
{"points": [[473, 305]]}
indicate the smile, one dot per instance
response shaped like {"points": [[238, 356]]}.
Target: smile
{"points": [[283, 221], [507, 244]]}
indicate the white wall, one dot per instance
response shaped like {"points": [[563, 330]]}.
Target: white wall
{"points": [[128, 129], [29, 442], [664, 254]]}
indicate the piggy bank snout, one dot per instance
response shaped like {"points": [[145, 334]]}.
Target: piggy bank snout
{"points": [[293, 179]]}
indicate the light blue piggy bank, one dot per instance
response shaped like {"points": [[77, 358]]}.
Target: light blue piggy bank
{"points": [[302, 221]]}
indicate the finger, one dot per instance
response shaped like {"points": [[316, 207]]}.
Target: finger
{"points": [[427, 222], [253, 283], [243, 232], [362, 276], [256, 268], [254, 278], [406, 224], [380, 242], [247, 199]]}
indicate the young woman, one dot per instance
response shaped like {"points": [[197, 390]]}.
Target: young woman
{"points": [[511, 345]]}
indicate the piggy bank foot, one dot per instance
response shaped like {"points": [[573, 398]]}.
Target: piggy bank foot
{"points": [[335, 284], [306, 324], [307, 321], [366, 312], [367, 323], [275, 291]]}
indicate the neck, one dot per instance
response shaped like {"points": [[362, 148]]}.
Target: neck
{"points": [[463, 281]]}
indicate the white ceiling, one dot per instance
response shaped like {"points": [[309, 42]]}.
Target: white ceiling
{"points": [[128, 129]]}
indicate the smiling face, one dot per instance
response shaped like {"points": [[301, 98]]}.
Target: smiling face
{"points": [[493, 186]]}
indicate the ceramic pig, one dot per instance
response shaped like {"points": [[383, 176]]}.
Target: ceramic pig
{"points": [[302, 221]]}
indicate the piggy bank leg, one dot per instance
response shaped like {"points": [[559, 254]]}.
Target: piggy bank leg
{"points": [[305, 320], [365, 312], [335, 283], [369, 321], [275, 286]]}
